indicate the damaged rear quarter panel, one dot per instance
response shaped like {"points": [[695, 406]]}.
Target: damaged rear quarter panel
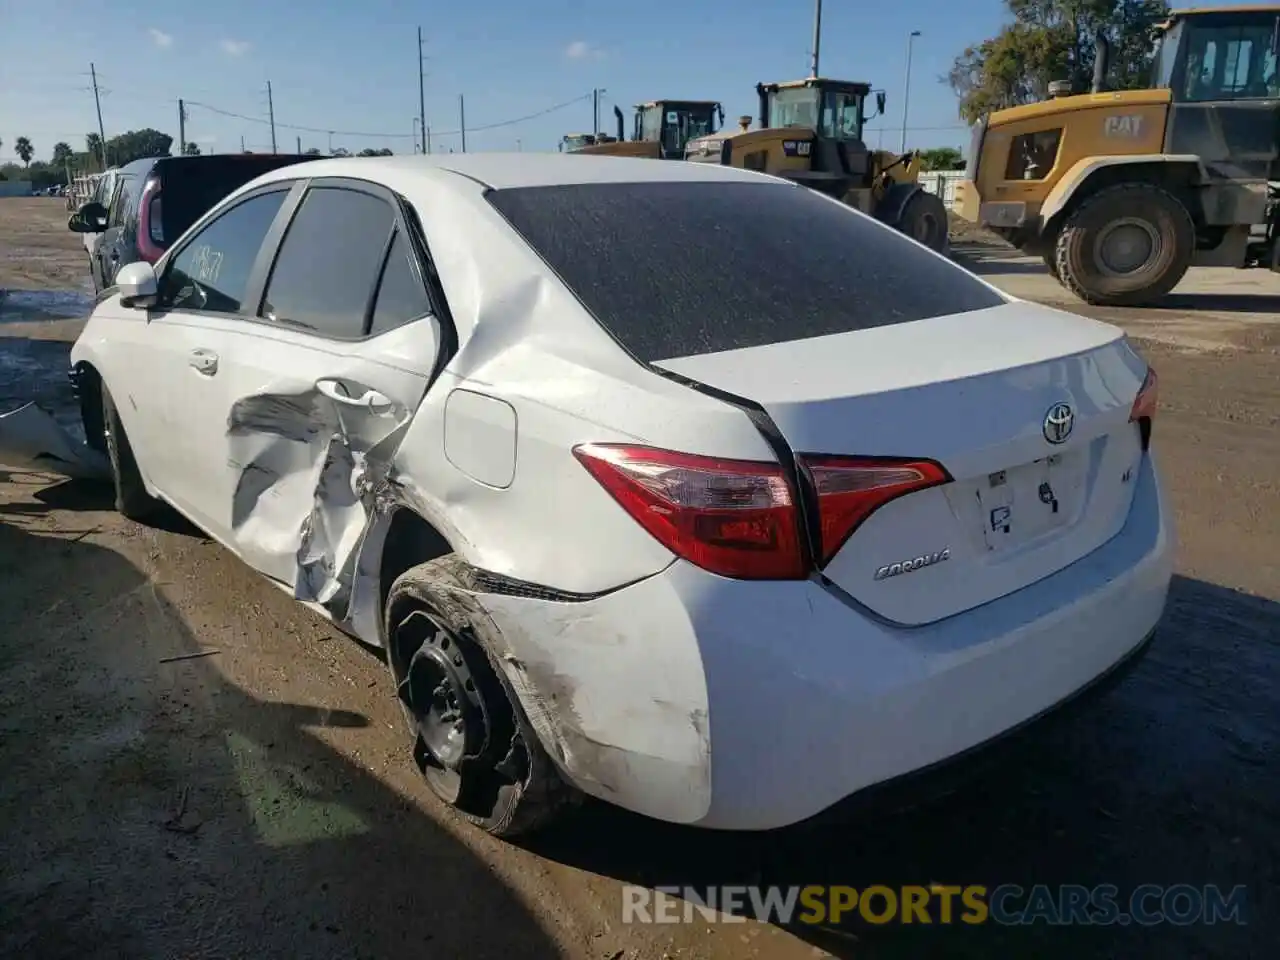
{"points": [[526, 341], [615, 689]]}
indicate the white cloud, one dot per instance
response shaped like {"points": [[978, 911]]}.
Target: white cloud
{"points": [[160, 38], [582, 50], [235, 48]]}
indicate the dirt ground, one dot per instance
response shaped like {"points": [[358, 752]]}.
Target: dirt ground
{"points": [[195, 766]]}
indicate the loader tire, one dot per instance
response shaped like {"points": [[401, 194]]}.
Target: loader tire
{"points": [[924, 219], [1125, 246]]}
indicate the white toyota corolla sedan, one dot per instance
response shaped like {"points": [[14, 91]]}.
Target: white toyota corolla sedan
{"points": [[680, 486]]}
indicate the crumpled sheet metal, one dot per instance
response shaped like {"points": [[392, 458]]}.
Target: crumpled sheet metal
{"points": [[306, 491], [32, 440]]}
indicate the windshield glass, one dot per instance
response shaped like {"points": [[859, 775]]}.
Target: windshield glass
{"points": [[795, 107], [842, 116], [683, 125]]}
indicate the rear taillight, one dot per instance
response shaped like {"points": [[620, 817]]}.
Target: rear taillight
{"points": [[1143, 411], [1144, 404], [850, 489], [150, 227], [736, 518]]}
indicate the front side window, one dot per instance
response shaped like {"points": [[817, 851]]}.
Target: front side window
{"points": [[797, 107], [211, 273], [329, 262]]}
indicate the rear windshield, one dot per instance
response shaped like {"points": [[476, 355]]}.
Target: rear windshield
{"points": [[676, 269], [193, 185]]}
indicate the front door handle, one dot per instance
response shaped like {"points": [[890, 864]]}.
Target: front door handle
{"points": [[338, 392], [204, 361]]}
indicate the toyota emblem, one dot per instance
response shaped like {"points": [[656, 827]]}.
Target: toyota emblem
{"points": [[1058, 423]]}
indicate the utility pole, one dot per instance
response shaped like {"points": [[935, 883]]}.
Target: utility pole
{"points": [[415, 136], [817, 37], [428, 139], [182, 129], [462, 116], [422, 95], [906, 91], [97, 102], [242, 143], [299, 145], [271, 113], [595, 110]]}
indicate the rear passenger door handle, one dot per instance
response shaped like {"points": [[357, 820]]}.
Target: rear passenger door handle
{"points": [[204, 361]]}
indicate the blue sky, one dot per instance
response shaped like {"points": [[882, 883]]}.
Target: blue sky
{"points": [[351, 66]]}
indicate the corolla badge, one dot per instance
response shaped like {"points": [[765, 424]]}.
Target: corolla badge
{"points": [[1058, 423], [912, 565]]}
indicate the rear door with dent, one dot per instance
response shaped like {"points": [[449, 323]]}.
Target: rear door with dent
{"points": [[320, 388]]}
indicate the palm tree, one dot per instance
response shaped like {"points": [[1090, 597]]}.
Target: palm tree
{"points": [[22, 147], [62, 154]]}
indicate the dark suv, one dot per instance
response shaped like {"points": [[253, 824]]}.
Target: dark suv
{"points": [[155, 200]]}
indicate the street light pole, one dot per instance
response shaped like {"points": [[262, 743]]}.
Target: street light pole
{"points": [[906, 91]]}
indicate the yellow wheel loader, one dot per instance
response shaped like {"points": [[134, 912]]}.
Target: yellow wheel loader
{"points": [[811, 132], [661, 129], [1121, 191]]}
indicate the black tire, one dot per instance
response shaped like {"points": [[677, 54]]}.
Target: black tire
{"points": [[924, 219], [1158, 226], [489, 766], [132, 499]]}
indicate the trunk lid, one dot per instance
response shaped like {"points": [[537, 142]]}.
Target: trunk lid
{"points": [[974, 392]]}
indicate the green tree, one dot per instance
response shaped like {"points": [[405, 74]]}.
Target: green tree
{"points": [[62, 154], [137, 144], [1050, 40], [25, 151], [192, 149], [312, 152], [942, 158]]}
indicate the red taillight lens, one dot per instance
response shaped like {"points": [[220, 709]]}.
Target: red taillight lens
{"points": [[735, 518], [1144, 404], [850, 489], [150, 229]]}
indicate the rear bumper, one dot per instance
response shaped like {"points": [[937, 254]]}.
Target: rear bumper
{"points": [[752, 706]]}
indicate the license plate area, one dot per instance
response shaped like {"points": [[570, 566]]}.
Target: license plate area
{"points": [[1025, 503]]}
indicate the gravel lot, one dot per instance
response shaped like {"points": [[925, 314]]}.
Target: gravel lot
{"points": [[257, 800]]}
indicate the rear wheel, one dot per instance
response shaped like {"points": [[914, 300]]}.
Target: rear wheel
{"points": [[924, 219], [132, 499], [1125, 246], [471, 740]]}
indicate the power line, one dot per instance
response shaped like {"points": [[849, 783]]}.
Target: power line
{"points": [[388, 136]]}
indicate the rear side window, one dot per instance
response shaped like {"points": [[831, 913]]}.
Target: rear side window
{"points": [[211, 272], [329, 263], [679, 269], [122, 202], [401, 295]]}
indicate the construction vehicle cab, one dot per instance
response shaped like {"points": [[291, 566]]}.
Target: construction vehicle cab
{"points": [[811, 132], [574, 142], [661, 128], [1121, 191]]}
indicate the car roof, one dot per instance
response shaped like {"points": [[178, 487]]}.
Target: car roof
{"points": [[501, 171]]}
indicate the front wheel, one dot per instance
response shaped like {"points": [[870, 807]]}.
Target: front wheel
{"points": [[1125, 246], [924, 219], [132, 499], [472, 742]]}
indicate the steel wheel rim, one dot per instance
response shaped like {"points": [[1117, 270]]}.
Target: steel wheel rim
{"points": [[1126, 247], [441, 701]]}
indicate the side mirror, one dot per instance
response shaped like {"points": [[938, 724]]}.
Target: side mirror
{"points": [[90, 218], [137, 284], [880, 102]]}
